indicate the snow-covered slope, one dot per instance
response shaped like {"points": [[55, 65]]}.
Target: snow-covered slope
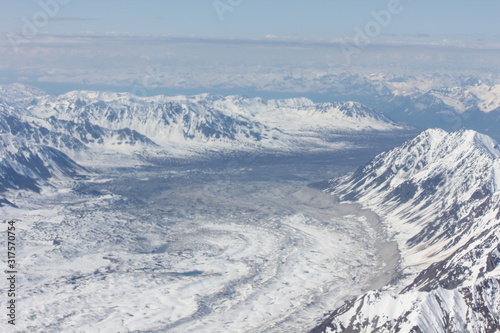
{"points": [[95, 135], [466, 309], [11, 123], [28, 166], [440, 196], [75, 139], [210, 120], [461, 96], [16, 91], [301, 114]]}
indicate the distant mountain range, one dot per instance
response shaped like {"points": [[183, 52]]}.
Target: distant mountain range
{"points": [[447, 100], [450, 102], [439, 195]]}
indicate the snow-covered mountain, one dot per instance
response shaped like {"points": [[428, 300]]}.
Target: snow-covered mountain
{"points": [[163, 120], [301, 114], [28, 166], [205, 117], [196, 123], [73, 138], [448, 100], [440, 197], [16, 91], [462, 94], [11, 123], [428, 100], [441, 99], [450, 109]]}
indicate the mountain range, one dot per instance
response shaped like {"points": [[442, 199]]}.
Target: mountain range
{"points": [[450, 102], [104, 128], [81, 122], [206, 117]]}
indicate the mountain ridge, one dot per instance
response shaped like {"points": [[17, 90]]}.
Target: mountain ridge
{"points": [[438, 195], [31, 167], [198, 122]]}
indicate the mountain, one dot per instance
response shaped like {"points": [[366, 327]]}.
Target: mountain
{"points": [[95, 135], [301, 114], [197, 122], [75, 139], [11, 123], [448, 108], [439, 195], [450, 102], [54, 133], [164, 120], [16, 91], [28, 166]]}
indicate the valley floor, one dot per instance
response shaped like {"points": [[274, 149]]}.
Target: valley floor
{"points": [[238, 245]]}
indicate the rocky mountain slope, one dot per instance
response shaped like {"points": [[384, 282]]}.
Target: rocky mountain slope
{"points": [[28, 166], [440, 197]]}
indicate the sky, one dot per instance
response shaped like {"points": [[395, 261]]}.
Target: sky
{"points": [[219, 43], [464, 20]]}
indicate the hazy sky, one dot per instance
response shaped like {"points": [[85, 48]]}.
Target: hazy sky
{"points": [[464, 20], [244, 43]]}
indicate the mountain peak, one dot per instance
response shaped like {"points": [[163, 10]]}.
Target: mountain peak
{"points": [[436, 177], [441, 139]]}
